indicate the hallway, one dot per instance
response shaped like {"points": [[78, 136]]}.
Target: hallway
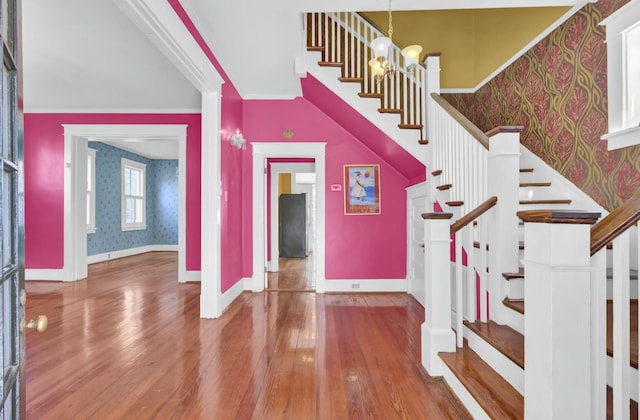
{"points": [[128, 343]]}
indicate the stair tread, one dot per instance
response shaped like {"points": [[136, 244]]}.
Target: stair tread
{"points": [[515, 304], [526, 169], [503, 338], [437, 172], [517, 275], [562, 201], [371, 95], [315, 48], [454, 203], [494, 394], [390, 110], [423, 141], [330, 64], [535, 184], [351, 79], [410, 126], [444, 187]]}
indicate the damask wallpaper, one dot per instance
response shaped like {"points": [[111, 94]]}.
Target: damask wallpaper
{"points": [[558, 92], [162, 202]]}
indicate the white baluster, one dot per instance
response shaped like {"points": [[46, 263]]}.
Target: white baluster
{"points": [[621, 326], [459, 286], [471, 277], [599, 334]]}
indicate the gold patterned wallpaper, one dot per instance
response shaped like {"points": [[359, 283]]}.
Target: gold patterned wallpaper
{"points": [[558, 92]]}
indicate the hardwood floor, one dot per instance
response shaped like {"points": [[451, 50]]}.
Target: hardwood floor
{"points": [[294, 274], [128, 343]]}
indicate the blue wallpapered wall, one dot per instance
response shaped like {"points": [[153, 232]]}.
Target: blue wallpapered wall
{"points": [[162, 202]]}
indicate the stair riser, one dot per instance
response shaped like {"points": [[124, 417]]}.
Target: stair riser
{"points": [[465, 397], [515, 320], [516, 289], [511, 372]]}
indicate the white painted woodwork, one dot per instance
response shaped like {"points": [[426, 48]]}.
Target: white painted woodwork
{"points": [[210, 289], [621, 325], [599, 335], [557, 346], [437, 335], [503, 170], [262, 151], [416, 202]]}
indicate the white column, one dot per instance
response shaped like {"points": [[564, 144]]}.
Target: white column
{"points": [[503, 173], [557, 318], [437, 335], [210, 290]]}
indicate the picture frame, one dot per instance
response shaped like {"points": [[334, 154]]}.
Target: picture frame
{"points": [[362, 189]]}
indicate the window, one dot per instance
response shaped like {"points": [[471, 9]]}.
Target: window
{"points": [[91, 190], [623, 62], [133, 195]]}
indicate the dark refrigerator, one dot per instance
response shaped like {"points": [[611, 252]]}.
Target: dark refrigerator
{"points": [[293, 225]]}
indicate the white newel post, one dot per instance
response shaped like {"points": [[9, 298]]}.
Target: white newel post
{"points": [[558, 309], [437, 335], [503, 173]]}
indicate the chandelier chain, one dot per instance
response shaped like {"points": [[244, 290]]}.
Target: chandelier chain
{"points": [[390, 23]]}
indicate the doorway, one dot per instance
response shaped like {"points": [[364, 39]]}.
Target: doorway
{"points": [[291, 225], [262, 152], [75, 186]]}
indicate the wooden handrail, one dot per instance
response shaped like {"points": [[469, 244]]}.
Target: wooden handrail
{"points": [[616, 223], [464, 121], [505, 129], [473, 214]]}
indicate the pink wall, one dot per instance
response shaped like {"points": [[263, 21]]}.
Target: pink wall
{"points": [[357, 247], [44, 181], [231, 166]]}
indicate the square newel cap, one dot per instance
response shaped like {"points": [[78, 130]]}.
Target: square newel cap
{"points": [[575, 217], [436, 216]]}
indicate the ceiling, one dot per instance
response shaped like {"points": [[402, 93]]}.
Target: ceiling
{"points": [[87, 56]]}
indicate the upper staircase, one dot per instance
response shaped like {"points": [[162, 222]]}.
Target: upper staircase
{"points": [[511, 247]]}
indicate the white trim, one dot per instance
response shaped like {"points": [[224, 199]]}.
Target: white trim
{"points": [[459, 90], [230, 295], [158, 21], [463, 394], [366, 285], [192, 276], [91, 227], [121, 253], [75, 138], [113, 111], [622, 138], [268, 96], [262, 151], [210, 291], [44, 274], [413, 192]]}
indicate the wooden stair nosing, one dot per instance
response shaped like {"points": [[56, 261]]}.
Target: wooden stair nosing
{"points": [[454, 203], [315, 48], [563, 201], [535, 184], [503, 338], [330, 64], [390, 110], [515, 304], [410, 126], [444, 187], [371, 95], [423, 141], [512, 276], [526, 170], [436, 172], [351, 79], [521, 245], [492, 392]]}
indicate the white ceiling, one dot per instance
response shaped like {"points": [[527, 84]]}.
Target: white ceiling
{"points": [[87, 56]]}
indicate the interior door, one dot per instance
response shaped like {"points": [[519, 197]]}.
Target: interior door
{"points": [[293, 225], [12, 244], [417, 205]]}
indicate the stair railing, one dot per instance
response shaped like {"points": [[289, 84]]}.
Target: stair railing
{"points": [[620, 230], [344, 39], [479, 166]]}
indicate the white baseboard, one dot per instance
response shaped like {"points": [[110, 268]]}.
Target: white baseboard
{"points": [[121, 253], [247, 283], [192, 276], [230, 295], [44, 274], [366, 285]]}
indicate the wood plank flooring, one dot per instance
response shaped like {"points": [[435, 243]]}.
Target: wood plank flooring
{"points": [[293, 274], [128, 343]]}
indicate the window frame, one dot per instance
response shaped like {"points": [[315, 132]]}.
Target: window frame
{"points": [[139, 166], [617, 24], [91, 190]]}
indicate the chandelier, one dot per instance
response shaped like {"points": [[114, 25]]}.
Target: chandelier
{"points": [[382, 64]]}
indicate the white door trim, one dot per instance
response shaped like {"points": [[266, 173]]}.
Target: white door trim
{"points": [[262, 151], [75, 186]]}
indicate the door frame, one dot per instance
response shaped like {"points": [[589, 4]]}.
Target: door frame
{"points": [[414, 192], [76, 137], [262, 151]]}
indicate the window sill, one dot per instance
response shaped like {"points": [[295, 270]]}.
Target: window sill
{"points": [[622, 138], [129, 228]]}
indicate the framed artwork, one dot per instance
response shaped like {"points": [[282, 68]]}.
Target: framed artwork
{"points": [[361, 189]]}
